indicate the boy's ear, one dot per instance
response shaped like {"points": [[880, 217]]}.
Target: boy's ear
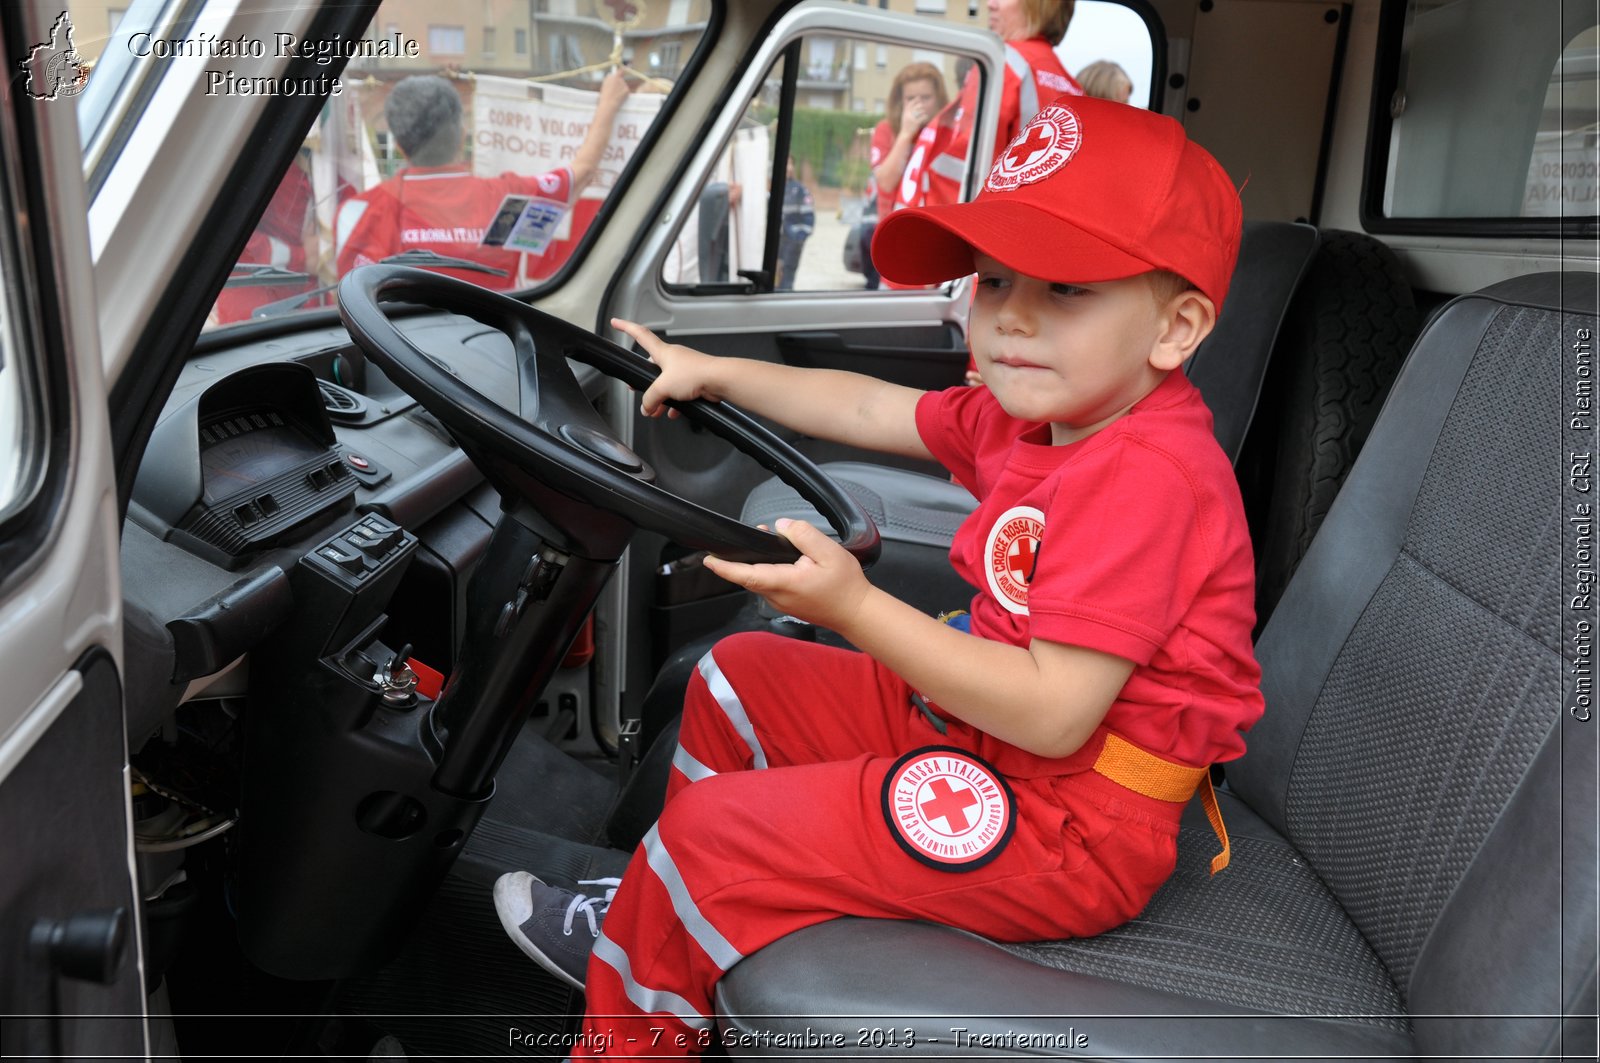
{"points": [[1187, 319]]}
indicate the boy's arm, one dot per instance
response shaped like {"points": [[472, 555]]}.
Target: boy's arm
{"points": [[1046, 698], [862, 411]]}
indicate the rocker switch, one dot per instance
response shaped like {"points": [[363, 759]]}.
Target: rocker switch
{"points": [[345, 558]]}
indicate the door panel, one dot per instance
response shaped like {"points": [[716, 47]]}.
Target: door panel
{"points": [[65, 953], [67, 908]]}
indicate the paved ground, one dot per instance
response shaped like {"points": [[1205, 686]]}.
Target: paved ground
{"points": [[821, 260]]}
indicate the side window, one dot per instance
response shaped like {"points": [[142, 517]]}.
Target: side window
{"points": [[478, 140], [1491, 115], [23, 435], [854, 144], [874, 126], [1110, 49], [1564, 169]]}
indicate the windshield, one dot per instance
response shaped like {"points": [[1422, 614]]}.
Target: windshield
{"points": [[479, 140]]}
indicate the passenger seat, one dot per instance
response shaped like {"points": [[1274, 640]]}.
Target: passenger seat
{"points": [[1413, 823]]}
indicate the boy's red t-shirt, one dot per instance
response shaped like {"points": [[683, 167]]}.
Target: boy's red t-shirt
{"points": [[1132, 542]]}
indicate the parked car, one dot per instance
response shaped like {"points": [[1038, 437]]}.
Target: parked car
{"points": [[325, 598]]}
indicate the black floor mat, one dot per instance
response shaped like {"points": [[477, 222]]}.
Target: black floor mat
{"points": [[541, 788], [461, 988]]}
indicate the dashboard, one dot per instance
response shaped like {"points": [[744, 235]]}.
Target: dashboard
{"points": [[268, 449]]}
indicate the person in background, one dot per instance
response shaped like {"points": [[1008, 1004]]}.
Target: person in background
{"points": [[799, 220], [917, 94], [1034, 76], [286, 237], [436, 203], [1107, 81]]}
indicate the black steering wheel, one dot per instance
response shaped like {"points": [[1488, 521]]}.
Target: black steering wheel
{"points": [[560, 455]]}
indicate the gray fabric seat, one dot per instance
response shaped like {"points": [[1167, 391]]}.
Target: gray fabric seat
{"points": [[918, 514], [1408, 877]]}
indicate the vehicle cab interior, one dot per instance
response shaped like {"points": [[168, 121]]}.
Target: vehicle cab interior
{"points": [[335, 583]]}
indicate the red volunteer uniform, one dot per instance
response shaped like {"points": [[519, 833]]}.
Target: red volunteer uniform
{"points": [[279, 240], [1033, 76], [816, 793], [882, 141], [444, 209]]}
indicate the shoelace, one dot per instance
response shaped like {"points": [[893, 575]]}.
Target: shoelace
{"points": [[591, 907]]}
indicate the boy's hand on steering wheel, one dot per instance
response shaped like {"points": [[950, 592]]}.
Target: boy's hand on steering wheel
{"points": [[826, 586], [684, 370]]}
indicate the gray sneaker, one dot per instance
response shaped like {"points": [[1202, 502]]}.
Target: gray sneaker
{"points": [[540, 919]]}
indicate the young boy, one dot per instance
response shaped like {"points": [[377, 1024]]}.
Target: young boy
{"points": [[1023, 781]]}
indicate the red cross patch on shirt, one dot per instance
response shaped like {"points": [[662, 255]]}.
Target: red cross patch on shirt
{"points": [[1011, 553]]}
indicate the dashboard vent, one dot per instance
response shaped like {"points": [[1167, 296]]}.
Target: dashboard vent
{"points": [[342, 405]]}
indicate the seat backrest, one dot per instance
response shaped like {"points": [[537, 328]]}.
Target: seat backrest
{"points": [[1415, 744], [1230, 365]]}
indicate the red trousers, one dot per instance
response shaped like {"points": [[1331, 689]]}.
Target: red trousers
{"points": [[775, 820]]}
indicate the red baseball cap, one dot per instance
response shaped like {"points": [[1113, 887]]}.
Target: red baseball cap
{"points": [[1090, 190]]}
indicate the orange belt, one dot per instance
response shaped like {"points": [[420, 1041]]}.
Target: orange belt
{"points": [[1145, 773]]}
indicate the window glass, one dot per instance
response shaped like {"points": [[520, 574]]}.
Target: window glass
{"points": [[1109, 50], [22, 435], [848, 115], [1493, 114], [1562, 171], [828, 200], [445, 146], [89, 36]]}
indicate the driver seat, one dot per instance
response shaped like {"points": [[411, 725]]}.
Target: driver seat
{"points": [[1407, 878]]}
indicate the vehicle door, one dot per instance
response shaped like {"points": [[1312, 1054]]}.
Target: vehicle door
{"points": [[70, 971], [744, 263]]}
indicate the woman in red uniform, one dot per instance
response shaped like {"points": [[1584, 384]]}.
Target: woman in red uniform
{"points": [[1033, 77], [917, 95]]}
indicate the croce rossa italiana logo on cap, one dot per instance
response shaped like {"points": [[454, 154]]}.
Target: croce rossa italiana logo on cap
{"points": [[1044, 146]]}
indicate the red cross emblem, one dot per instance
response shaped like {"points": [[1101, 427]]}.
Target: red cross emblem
{"points": [[1033, 140], [948, 808], [1043, 147], [1011, 555], [1020, 559], [949, 805]]}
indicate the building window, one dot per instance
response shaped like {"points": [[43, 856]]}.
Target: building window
{"points": [[488, 40], [820, 64], [447, 40], [667, 57], [930, 7], [565, 54], [882, 57], [520, 40]]}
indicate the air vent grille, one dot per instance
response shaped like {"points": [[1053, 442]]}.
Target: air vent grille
{"points": [[341, 404]]}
